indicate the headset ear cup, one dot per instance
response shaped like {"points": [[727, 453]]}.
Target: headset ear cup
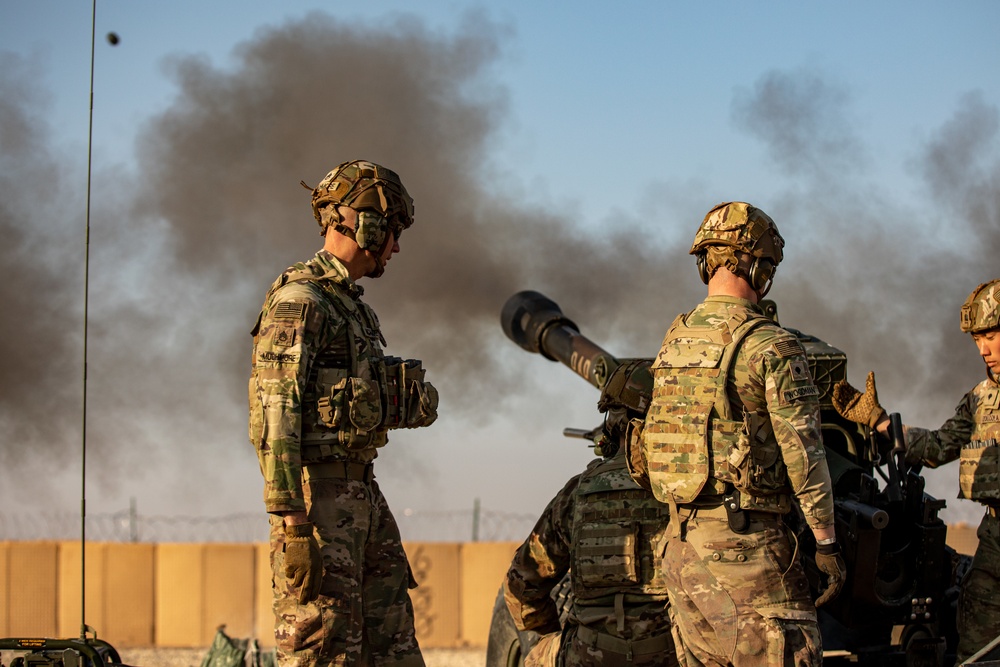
{"points": [[702, 259], [371, 231], [761, 272]]}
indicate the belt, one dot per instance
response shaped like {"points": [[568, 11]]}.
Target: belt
{"points": [[359, 472], [607, 642]]}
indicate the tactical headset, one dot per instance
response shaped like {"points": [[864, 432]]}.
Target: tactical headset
{"points": [[759, 274]]}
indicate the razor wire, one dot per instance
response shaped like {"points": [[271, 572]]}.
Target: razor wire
{"points": [[249, 527]]}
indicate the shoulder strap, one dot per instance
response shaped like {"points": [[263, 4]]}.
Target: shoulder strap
{"points": [[728, 358]]}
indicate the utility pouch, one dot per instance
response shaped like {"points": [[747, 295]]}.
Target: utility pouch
{"points": [[330, 404], [364, 407], [635, 461]]}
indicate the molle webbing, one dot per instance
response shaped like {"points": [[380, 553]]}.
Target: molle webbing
{"points": [[684, 446]]}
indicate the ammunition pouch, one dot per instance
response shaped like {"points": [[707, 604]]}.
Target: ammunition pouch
{"points": [[411, 401], [351, 406]]}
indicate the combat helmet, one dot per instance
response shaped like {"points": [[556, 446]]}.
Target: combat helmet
{"points": [[376, 193], [981, 311], [742, 238]]}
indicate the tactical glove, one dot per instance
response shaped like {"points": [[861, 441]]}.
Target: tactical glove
{"points": [[852, 404], [303, 561], [831, 563]]}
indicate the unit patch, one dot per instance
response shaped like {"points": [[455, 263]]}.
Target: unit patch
{"points": [[289, 311], [799, 392]]}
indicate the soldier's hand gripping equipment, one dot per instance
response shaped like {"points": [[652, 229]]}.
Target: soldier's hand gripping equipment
{"points": [[901, 575], [853, 405], [303, 561]]}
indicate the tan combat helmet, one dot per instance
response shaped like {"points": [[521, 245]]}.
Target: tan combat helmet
{"points": [[981, 311], [741, 238], [376, 193]]}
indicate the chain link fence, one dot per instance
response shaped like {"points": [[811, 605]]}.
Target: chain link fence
{"points": [[130, 526]]}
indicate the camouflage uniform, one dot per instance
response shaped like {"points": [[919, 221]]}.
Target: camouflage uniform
{"points": [[317, 390], [608, 533], [972, 435], [734, 407]]}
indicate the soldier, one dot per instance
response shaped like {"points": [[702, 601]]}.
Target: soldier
{"points": [[608, 533], [972, 436], [731, 437], [322, 399]]}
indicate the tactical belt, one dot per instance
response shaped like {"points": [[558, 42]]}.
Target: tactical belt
{"points": [[621, 646], [755, 520], [359, 472]]}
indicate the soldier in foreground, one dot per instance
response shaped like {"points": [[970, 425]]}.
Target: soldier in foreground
{"points": [[731, 438], [322, 399], [609, 534], [972, 435]]}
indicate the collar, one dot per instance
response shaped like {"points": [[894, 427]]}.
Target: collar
{"points": [[734, 300], [335, 271]]}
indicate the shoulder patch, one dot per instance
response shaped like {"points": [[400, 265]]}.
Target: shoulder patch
{"points": [[287, 310], [789, 347]]}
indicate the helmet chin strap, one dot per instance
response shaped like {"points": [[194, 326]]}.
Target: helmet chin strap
{"points": [[377, 256]]}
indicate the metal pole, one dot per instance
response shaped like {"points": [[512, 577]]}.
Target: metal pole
{"points": [[475, 520], [86, 322]]}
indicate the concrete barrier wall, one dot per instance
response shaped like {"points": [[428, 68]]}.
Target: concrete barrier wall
{"points": [[176, 595]]}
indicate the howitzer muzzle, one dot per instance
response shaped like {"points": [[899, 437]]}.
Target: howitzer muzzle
{"points": [[537, 324]]}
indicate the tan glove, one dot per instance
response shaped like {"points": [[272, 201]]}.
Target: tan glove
{"points": [[303, 561], [852, 404], [831, 563]]}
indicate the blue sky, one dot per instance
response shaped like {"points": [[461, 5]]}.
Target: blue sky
{"points": [[592, 137]]}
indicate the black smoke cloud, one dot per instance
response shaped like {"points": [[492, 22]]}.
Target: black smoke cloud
{"points": [[213, 211]]}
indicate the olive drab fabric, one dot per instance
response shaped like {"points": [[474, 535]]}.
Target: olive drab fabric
{"points": [[323, 397], [609, 534], [972, 436], [981, 311]]}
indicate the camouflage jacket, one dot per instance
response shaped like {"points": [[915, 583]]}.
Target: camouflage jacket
{"points": [[771, 399], [972, 435], [304, 333], [608, 534]]}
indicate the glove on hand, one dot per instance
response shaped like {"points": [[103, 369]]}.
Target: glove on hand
{"points": [[831, 563], [303, 562], [852, 404]]}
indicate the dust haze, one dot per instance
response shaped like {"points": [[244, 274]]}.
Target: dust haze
{"points": [[185, 244]]}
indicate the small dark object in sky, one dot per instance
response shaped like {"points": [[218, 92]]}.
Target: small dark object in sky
{"points": [[113, 38]]}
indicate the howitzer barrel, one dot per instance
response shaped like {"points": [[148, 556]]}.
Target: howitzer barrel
{"points": [[537, 324]]}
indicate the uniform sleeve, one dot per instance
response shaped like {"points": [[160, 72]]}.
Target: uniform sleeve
{"points": [[286, 344], [792, 401], [934, 448], [540, 564]]}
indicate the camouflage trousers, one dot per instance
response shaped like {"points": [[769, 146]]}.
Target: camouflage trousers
{"points": [[979, 600], [569, 649], [363, 615], [739, 599]]}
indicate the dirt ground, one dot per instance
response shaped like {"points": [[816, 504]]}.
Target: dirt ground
{"points": [[191, 657]]}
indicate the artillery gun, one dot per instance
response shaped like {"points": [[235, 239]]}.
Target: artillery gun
{"points": [[898, 604]]}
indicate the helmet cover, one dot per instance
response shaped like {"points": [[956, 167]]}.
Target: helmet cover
{"points": [[981, 311], [740, 226], [364, 186]]}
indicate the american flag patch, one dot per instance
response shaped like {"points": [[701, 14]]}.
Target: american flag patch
{"points": [[788, 348], [289, 311]]}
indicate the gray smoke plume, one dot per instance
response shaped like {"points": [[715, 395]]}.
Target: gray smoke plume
{"points": [[186, 245]]}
